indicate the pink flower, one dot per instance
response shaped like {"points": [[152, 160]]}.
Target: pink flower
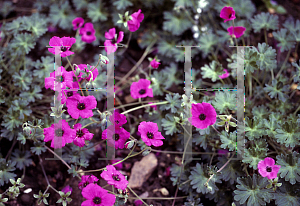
{"points": [[83, 67], [86, 180], [77, 23], [118, 119], [141, 89], [238, 31], [114, 177], [227, 13], [118, 166], [222, 152], [81, 106], [225, 75], [267, 168], [150, 134], [65, 79], [88, 33], [60, 133], [117, 138], [67, 189], [134, 23], [81, 135], [138, 202], [66, 94], [154, 64], [51, 28], [153, 106], [97, 196], [203, 115], [65, 44], [111, 42]]}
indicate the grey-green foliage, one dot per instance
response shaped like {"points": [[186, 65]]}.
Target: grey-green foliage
{"points": [[96, 11], [6, 168], [21, 158], [62, 15], [286, 40], [176, 24], [264, 21]]}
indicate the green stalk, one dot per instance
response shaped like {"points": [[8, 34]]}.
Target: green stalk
{"points": [[286, 58]]}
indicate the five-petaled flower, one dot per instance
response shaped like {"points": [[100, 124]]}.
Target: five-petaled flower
{"points": [[77, 23], [111, 42], [60, 133], [81, 135], [114, 177], [141, 89], [267, 168], [86, 180], [81, 106], [115, 138], [236, 31], [88, 33], [118, 119], [225, 75], [136, 19], [97, 196], [65, 94], [64, 43], [65, 78], [150, 134], [203, 115], [227, 13], [154, 64]]}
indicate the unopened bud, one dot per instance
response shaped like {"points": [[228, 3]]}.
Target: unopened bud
{"points": [[146, 152], [129, 144]]}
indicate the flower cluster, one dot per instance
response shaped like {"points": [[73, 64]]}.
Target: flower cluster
{"points": [[141, 89], [87, 32]]}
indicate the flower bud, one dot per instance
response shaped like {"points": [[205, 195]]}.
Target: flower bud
{"points": [[146, 152], [129, 144], [27, 130], [77, 72]]}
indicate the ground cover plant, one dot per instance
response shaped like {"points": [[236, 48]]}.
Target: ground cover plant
{"points": [[89, 90]]}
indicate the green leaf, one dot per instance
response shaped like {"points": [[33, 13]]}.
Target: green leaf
{"points": [[157, 80], [23, 43], [62, 15], [174, 103], [231, 171], [288, 195], [39, 148], [267, 57], [6, 8], [276, 91], [288, 134], [286, 40], [21, 159], [290, 167], [291, 25], [80, 4], [96, 11], [122, 4], [176, 24], [32, 95], [264, 21], [212, 71], [253, 128], [225, 100], [206, 42], [170, 72], [5, 171], [169, 124], [183, 3], [271, 125], [166, 48], [37, 24], [201, 140], [231, 142], [255, 153]]}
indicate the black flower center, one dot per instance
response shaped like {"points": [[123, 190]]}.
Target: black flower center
{"points": [[230, 15], [116, 177], [142, 91], [59, 132], [77, 24], [79, 133], [88, 33], [117, 122], [269, 169], [113, 41], [59, 78], [124, 18], [150, 135], [81, 106], [116, 137], [69, 94], [63, 48], [202, 117], [97, 200], [85, 184]]}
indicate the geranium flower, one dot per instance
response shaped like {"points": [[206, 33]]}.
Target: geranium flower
{"points": [[60, 133], [238, 31], [77, 23], [141, 89], [118, 166], [97, 196], [88, 33], [66, 94], [114, 177], [154, 64], [227, 13], [81, 135], [65, 79], [117, 138], [118, 119], [136, 19], [111, 42], [84, 67], [67, 189], [267, 168], [65, 44], [203, 115], [81, 106], [150, 134], [138, 202], [86, 180], [225, 75]]}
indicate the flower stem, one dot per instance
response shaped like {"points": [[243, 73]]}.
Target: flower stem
{"points": [[283, 65], [57, 156], [266, 37], [137, 195], [147, 105]]}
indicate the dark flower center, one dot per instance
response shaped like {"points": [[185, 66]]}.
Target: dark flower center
{"points": [[81, 106], [77, 24], [269, 169], [202, 117], [59, 132], [79, 133], [85, 184], [117, 122], [59, 78], [97, 200], [69, 94], [113, 41], [63, 48], [116, 137], [124, 18], [116, 177], [150, 135], [230, 15], [142, 91], [88, 33]]}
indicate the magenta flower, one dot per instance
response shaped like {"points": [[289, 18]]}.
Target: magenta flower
{"points": [[136, 19], [154, 64], [88, 33], [65, 44], [238, 31], [118, 119], [222, 152], [138, 202], [227, 13], [203, 115], [67, 189], [118, 166], [60, 133], [150, 134], [117, 138], [65, 79], [267, 168], [86, 180], [114, 177], [81, 106], [81, 135], [77, 23], [225, 75], [66, 94], [141, 89], [83, 67], [153, 106], [111, 42], [97, 196]]}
